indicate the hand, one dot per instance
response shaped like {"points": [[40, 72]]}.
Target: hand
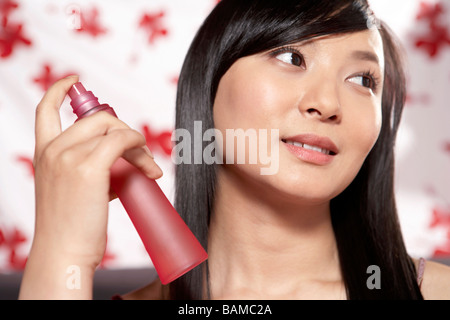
{"points": [[72, 179]]}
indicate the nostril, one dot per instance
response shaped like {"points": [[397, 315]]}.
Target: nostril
{"points": [[322, 114], [312, 111], [332, 118]]}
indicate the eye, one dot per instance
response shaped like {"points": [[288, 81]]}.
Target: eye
{"points": [[367, 80], [362, 81], [290, 56]]}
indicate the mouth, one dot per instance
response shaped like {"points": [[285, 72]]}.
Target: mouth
{"points": [[312, 148], [309, 147]]}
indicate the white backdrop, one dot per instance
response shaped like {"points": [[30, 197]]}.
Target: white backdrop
{"points": [[129, 54]]}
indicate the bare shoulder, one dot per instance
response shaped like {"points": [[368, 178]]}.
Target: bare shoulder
{"points": [[153, 291], [436, 281]]}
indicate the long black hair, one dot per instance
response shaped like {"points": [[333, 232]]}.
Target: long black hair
{"points": [[364, 215]]}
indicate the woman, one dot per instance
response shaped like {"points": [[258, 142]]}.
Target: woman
{"points": [[331, 83]]}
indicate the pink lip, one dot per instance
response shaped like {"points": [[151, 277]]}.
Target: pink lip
{"points": [[312, 156]]}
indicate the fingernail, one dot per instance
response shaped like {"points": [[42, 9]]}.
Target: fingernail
{"points": [[148, 152], [154, 175], [161, 173]]}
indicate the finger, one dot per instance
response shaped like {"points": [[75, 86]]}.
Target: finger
{"points": [[98, 124], [48, 121], [97, 160], [141, 159], [101, 124], [128, 143]]}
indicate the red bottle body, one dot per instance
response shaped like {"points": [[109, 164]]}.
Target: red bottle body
{"points": [[172, 247]]}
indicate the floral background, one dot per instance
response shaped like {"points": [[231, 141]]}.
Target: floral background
{"points": [[129, 53]]}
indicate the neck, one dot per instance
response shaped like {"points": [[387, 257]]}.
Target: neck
{"points": [[267, 247]]}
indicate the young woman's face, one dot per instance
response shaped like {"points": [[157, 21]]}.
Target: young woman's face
{"points": [[324, 95]]}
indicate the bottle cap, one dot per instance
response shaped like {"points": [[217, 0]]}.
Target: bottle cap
{"points": [[82, 100]]}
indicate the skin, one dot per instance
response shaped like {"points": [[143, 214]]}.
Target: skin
{"points": [[283, 244], [261, 92], [72, 174], [274, 240]]}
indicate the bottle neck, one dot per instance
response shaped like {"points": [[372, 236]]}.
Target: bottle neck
{"points": [[94, 109]]}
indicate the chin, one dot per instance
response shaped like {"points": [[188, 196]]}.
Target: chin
{"points": [[298, 189]]}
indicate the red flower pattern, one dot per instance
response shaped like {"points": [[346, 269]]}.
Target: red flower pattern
{"points": [[11, 35], [446, 147], [152, 24], [438, 35], [48, 77], [158, 141], [6, 7], [441, 219], [89, 23], [11, 241], [28, 162], [432, 39]]}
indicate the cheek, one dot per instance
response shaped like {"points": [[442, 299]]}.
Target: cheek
{"points": [[248, 96], [247, 104], [361, 132], [361, 135], [366, 134]]}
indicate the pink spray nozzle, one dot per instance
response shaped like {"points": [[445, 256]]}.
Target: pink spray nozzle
{"points": [[76, 90], [82, 100]]}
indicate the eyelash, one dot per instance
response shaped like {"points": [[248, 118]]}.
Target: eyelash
{"points": [[287, 49], [368, 74], [373, 79]]}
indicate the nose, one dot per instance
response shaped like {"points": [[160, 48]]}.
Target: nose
{"points": [[320, 100]]}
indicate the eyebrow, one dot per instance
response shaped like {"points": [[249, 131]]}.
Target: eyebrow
{"points": [[365, 55]]}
